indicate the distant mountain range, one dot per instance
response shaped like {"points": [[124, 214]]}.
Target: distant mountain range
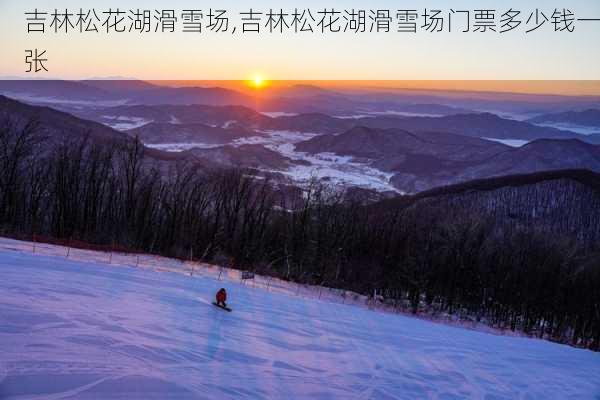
{"points": [[245, 156], [410, 154], [158, 132], [45, 90], [295, 98], [421, 161], [484, 125], [584, 118], [55, 124]]}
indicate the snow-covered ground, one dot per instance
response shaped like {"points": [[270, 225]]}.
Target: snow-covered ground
{"points": [[79, 328], [342, 171], [275, 114], [509, 142], [122, 123], [393, 113], [339, 170]]}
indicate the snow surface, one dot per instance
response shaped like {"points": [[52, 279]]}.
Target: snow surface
{"points": [[509, 142], [339, 170], [123, 123], [73, 329], [393, 113], [277, 114]]}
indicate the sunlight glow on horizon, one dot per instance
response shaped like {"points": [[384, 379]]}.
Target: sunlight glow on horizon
{"points": [[258, 81], [513, 88]]}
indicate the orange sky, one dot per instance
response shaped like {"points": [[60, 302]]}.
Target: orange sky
{"points": [[570, 88]]}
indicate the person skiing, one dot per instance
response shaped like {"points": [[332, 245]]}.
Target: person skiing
{"points": [[221, 298]]}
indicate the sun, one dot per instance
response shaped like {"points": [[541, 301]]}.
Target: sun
{"points": [[257, 81]]}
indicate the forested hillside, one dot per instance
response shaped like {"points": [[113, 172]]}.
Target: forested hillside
{"points": [[516, 252]]}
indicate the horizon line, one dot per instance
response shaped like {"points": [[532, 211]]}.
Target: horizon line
{"points": [[560, 88]]}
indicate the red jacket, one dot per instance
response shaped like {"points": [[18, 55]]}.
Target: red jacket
{"points": [[221, 296]]}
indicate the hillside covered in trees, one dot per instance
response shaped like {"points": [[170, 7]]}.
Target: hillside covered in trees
{"points": [[517, 252]]}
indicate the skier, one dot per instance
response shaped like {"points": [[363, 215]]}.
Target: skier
{"points": [[221, 298]]}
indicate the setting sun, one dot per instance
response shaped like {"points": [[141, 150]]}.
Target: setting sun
{"points": [[257, 81]]}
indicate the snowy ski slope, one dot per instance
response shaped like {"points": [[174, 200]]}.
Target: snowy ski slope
{"points": [[72, 329]]}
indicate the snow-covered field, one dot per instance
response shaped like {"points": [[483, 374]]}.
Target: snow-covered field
{"points": [[393, 113], [122, 123], [276, 114], [82, 329], [339, 170], [509, 142]]}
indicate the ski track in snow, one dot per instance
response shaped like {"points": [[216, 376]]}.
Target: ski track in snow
{"points": [[86, 330]]}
